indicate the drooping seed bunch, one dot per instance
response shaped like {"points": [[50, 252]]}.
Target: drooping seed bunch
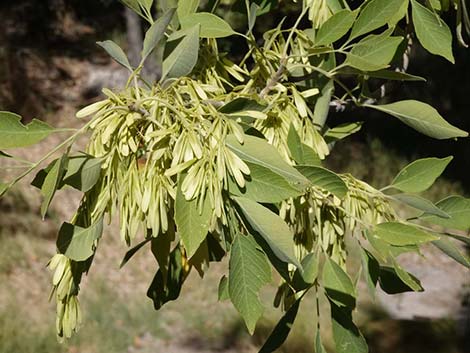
{"points": [[153, 142], [319, 218]]}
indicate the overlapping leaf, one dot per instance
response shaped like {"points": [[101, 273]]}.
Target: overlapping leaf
{"points": [[432, 32], [249, 272], [272, 229], [77, 243], [192, 223]]}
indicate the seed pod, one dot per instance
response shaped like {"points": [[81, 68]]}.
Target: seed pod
{"points": [[91, 109]]}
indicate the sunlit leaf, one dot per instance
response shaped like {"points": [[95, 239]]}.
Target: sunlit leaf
{"points": [[324, 179], [183, 57], [432, 32], [156, 32], [192, 223], [212, 26], [374, 15], [421, 117], [272, 229], [373, 53], [420, 174], [77, 243], [458, 208], [14, 134], [338, 285], [399, 234], [335, 27], [116, 53], [249, 272]]}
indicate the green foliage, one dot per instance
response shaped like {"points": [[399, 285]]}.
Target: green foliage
{"points": [[375, 14], [420, 175], [222, 159], [401, 234], [373, 52], [116, 53], [211, 25], [249, 271], [14, 134], [421, 117], [192, 221], [183, 57], [78, 243], [432, 32]]}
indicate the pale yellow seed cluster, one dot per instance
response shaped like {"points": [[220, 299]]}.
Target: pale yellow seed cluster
{"points": [[68, 317], [320, 218], [146, 139], [318, 11]]}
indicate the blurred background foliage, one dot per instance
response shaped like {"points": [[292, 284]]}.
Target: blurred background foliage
{"points": [[50, 66]]}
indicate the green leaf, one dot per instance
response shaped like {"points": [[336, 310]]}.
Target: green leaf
{"points": [[342, 131], [374, 52], [421, 117], [83, 172], [242, 108], [187, 7], [116, 53], [347, 337], [130, 253], [420, 203], [451, 250], [306, 276], [375, 14], [223, 293], [310, 265], [391, 282], [458, 208], [407, 278], [279, 335], [392, 22], [252, 12], [14, 134], [371, 268], [420, 174], [183, 58], [258, 151], [241, 104], [212, 26], [382, 74], [193, 224], [271, 228], [335, 27], [156, 32], [51, 183], [338, 285], [249, 272], [402, 234], [263, 185], [322, 106], [432, 32], [325, 179], [300, 152], [78, 243]]}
